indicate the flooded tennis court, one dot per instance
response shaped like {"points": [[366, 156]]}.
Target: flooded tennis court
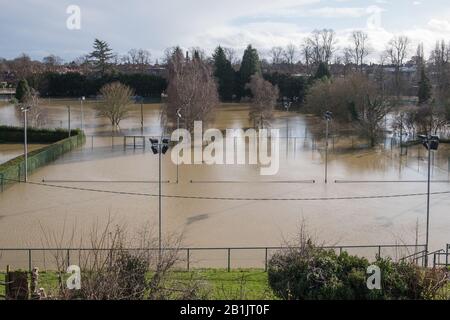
{"points": [[373, 196]]}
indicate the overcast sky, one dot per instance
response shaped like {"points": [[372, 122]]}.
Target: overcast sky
{"points": [[38, 27]]}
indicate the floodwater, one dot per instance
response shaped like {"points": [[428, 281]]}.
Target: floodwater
{"points": [[9, 151], [249, 215]]}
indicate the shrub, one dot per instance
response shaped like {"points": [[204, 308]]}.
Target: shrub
{"points": [[315, 273], [312, 273]]}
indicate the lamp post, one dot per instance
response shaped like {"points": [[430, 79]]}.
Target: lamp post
{"points": [[178, 134], [82, 113], [159, 148], [328, 115], [68, 118], [25, 144], [431, 143], [287, 104]]}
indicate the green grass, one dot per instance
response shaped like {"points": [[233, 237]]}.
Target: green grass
{"points": [[246, 284]]}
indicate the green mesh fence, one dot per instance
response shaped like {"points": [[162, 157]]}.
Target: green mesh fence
{"points": [[14, 170]]}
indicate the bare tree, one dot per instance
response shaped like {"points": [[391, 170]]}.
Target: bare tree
{"points": [[52, 63], [232, 56], [440, 70], [192, 88], [117, 98], [139, 58], [355, 101], [323, 45], [36, 116], [290, 54], [264, 99], [359, 49], [397, 51], [276, 55], [307, 55]]}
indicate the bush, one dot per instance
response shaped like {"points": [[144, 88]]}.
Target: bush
{"points": [[16, 135], [315, 273]]}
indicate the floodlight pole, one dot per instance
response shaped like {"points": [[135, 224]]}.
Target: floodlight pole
{"points": [[68, 118], [82, 113], [178, 137], [328, 117], [326, 153], [25, 145], [428, 202], [160, 215], [142, 115]]}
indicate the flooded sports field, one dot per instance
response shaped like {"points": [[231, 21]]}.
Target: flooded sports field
{"points": [[373, 196]]}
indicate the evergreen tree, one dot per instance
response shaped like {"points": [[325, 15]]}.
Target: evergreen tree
{"points": [[322, 71], [22, 90], [424, 93], [224, 73], [101, 56], [250, 65]]}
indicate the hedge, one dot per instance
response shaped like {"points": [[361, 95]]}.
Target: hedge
{"points": [[16, 135], [14, 170]]}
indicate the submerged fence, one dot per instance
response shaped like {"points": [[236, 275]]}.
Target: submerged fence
{"points": [[196, 258], [14, 170]]}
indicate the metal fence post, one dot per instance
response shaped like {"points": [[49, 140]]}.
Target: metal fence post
{"points": [[1, 182], [229, 258], [188, 258], [29, 260], [68, 258], [265, 261], [379, 251]]}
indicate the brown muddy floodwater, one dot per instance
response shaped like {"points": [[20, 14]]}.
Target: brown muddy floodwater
{"points": [[9, 151], [27, 211]]}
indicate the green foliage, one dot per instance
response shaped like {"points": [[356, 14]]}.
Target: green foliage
{"points": [[322, 71], [74, 84], [250, 65], [424, 94], [289, 85], [22, 91], [13, 170], [313, 273], [316, 273], [101, 56], [225, 75], [16, 135]]}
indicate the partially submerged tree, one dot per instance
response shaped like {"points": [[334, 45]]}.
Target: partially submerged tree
{"points": [[354, 100], [115, 106], [264, 100], [192, 89]]}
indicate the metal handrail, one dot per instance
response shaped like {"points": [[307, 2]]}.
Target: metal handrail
{"points": [[228, 250]]}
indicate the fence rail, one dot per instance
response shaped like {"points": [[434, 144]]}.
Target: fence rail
{"points": [[227, 255]]}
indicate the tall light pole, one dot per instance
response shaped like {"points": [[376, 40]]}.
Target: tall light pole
{"points": [[287, 105], [431, 143], [328, 115], [178, 134], [25, 141], [68, 118], [159, 148], [82, 113]]}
